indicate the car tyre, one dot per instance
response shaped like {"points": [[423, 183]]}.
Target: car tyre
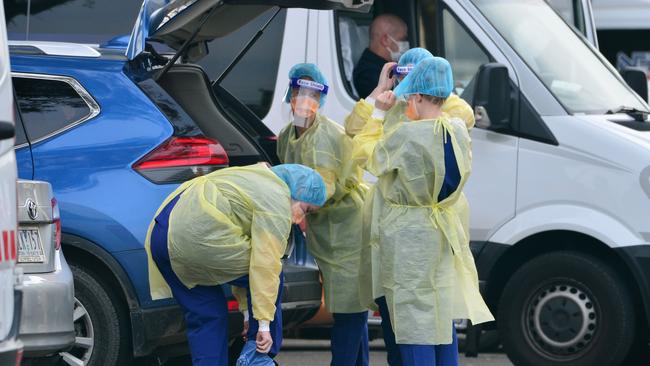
{"points": [[102, 337], [566, 308]]}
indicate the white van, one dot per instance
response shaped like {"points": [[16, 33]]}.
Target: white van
{"points": [[560, 190], [10, 304]]}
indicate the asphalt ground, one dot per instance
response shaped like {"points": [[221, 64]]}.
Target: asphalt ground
{"points": [[298, 352], [301, 352]]}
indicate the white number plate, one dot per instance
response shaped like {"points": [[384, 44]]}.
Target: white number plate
{"points": [[30, 247]]}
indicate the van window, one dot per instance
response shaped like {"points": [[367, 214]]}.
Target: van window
{"points": [[463, 53], [252, 80], [572, 13], [353, 36], [47, 106], [578, 77], [81, 21]]}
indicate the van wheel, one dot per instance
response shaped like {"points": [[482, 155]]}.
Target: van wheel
{"points": [[102, 337], [566, 308]]}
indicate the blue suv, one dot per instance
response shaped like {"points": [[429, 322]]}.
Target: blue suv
{"points": [[115, 129]]}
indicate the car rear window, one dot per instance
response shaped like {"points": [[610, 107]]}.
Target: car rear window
{"points": [[48, 106]]}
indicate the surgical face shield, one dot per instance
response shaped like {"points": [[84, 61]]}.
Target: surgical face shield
{"points": [[412, 109], [398, 73], [305, 98]]}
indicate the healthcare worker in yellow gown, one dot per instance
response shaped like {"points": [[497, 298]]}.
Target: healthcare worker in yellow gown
{"points": [[427, 274], [229, 227], [453, 106], [334, 231]]}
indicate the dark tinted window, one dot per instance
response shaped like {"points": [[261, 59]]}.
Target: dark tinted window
{"points": [[85, 21], [48, 105], [252, 80]]}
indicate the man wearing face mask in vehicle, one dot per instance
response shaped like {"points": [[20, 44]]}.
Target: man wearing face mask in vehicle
{"points": [[229, 227], [388, 42], [377, 118], [333, 232]]}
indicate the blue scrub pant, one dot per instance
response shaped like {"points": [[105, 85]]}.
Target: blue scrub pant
{"points": [[415, 354], [350, 339], [205, 307]]}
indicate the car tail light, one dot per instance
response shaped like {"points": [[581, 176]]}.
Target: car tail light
{"points": [[376, 314], [19, 357], [233, 305], [181, 158], [56, 220]]}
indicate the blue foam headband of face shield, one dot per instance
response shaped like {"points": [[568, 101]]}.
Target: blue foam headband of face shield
{"points": [[309, 84], [403, 70]]}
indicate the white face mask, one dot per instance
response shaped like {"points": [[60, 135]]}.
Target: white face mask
{"points": [[402, 46]]}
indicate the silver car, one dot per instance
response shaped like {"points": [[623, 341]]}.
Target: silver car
{"points": [[46, 326]]}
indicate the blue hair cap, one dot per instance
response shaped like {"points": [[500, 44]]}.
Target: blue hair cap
{"points": [[429, 77], [305, 183]]}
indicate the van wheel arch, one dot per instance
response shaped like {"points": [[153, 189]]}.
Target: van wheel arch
{"points": [[552, 241]]}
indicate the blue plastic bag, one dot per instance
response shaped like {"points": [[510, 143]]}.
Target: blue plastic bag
{"points": [[250, 357]]}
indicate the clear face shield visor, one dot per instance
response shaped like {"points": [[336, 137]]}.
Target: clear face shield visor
{"points": [[304, 98]]}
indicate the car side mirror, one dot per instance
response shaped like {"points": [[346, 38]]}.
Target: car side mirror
{"points": [[492, 97], [7, 130], [637, 80]]}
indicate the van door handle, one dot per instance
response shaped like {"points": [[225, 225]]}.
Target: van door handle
{"points": [[7, 130]]}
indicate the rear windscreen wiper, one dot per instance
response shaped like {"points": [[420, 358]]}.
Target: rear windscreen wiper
{"points": [[635, 113]]}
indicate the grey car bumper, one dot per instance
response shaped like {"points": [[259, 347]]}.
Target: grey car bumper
{"points": [[46, 324]]}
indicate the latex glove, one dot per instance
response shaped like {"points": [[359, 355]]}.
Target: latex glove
{"points": [[264, 342], [385, 100]]}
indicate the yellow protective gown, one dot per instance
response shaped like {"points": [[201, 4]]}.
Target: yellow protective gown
{"points": [[333, 232], [228, 224], [374, 130], [453, 106], [427, 270]]}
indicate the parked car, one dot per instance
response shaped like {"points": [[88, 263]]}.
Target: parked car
{"points": [[10, 295], [114, 135], [46, 326]]}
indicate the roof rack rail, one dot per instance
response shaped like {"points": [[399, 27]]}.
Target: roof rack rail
{"points": [[53, 48]]}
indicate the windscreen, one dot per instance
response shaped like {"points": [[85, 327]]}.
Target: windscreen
{"points": [[564, 62]]}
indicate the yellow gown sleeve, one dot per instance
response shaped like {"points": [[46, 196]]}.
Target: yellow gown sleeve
{"points": [[363, 144], [240, 294], [269, 234], [329, 177], [283, 142], [360, 114], [397, 150], [455, 107]]}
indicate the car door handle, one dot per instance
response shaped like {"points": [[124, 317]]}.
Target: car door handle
{"points": [[7, 130]]}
